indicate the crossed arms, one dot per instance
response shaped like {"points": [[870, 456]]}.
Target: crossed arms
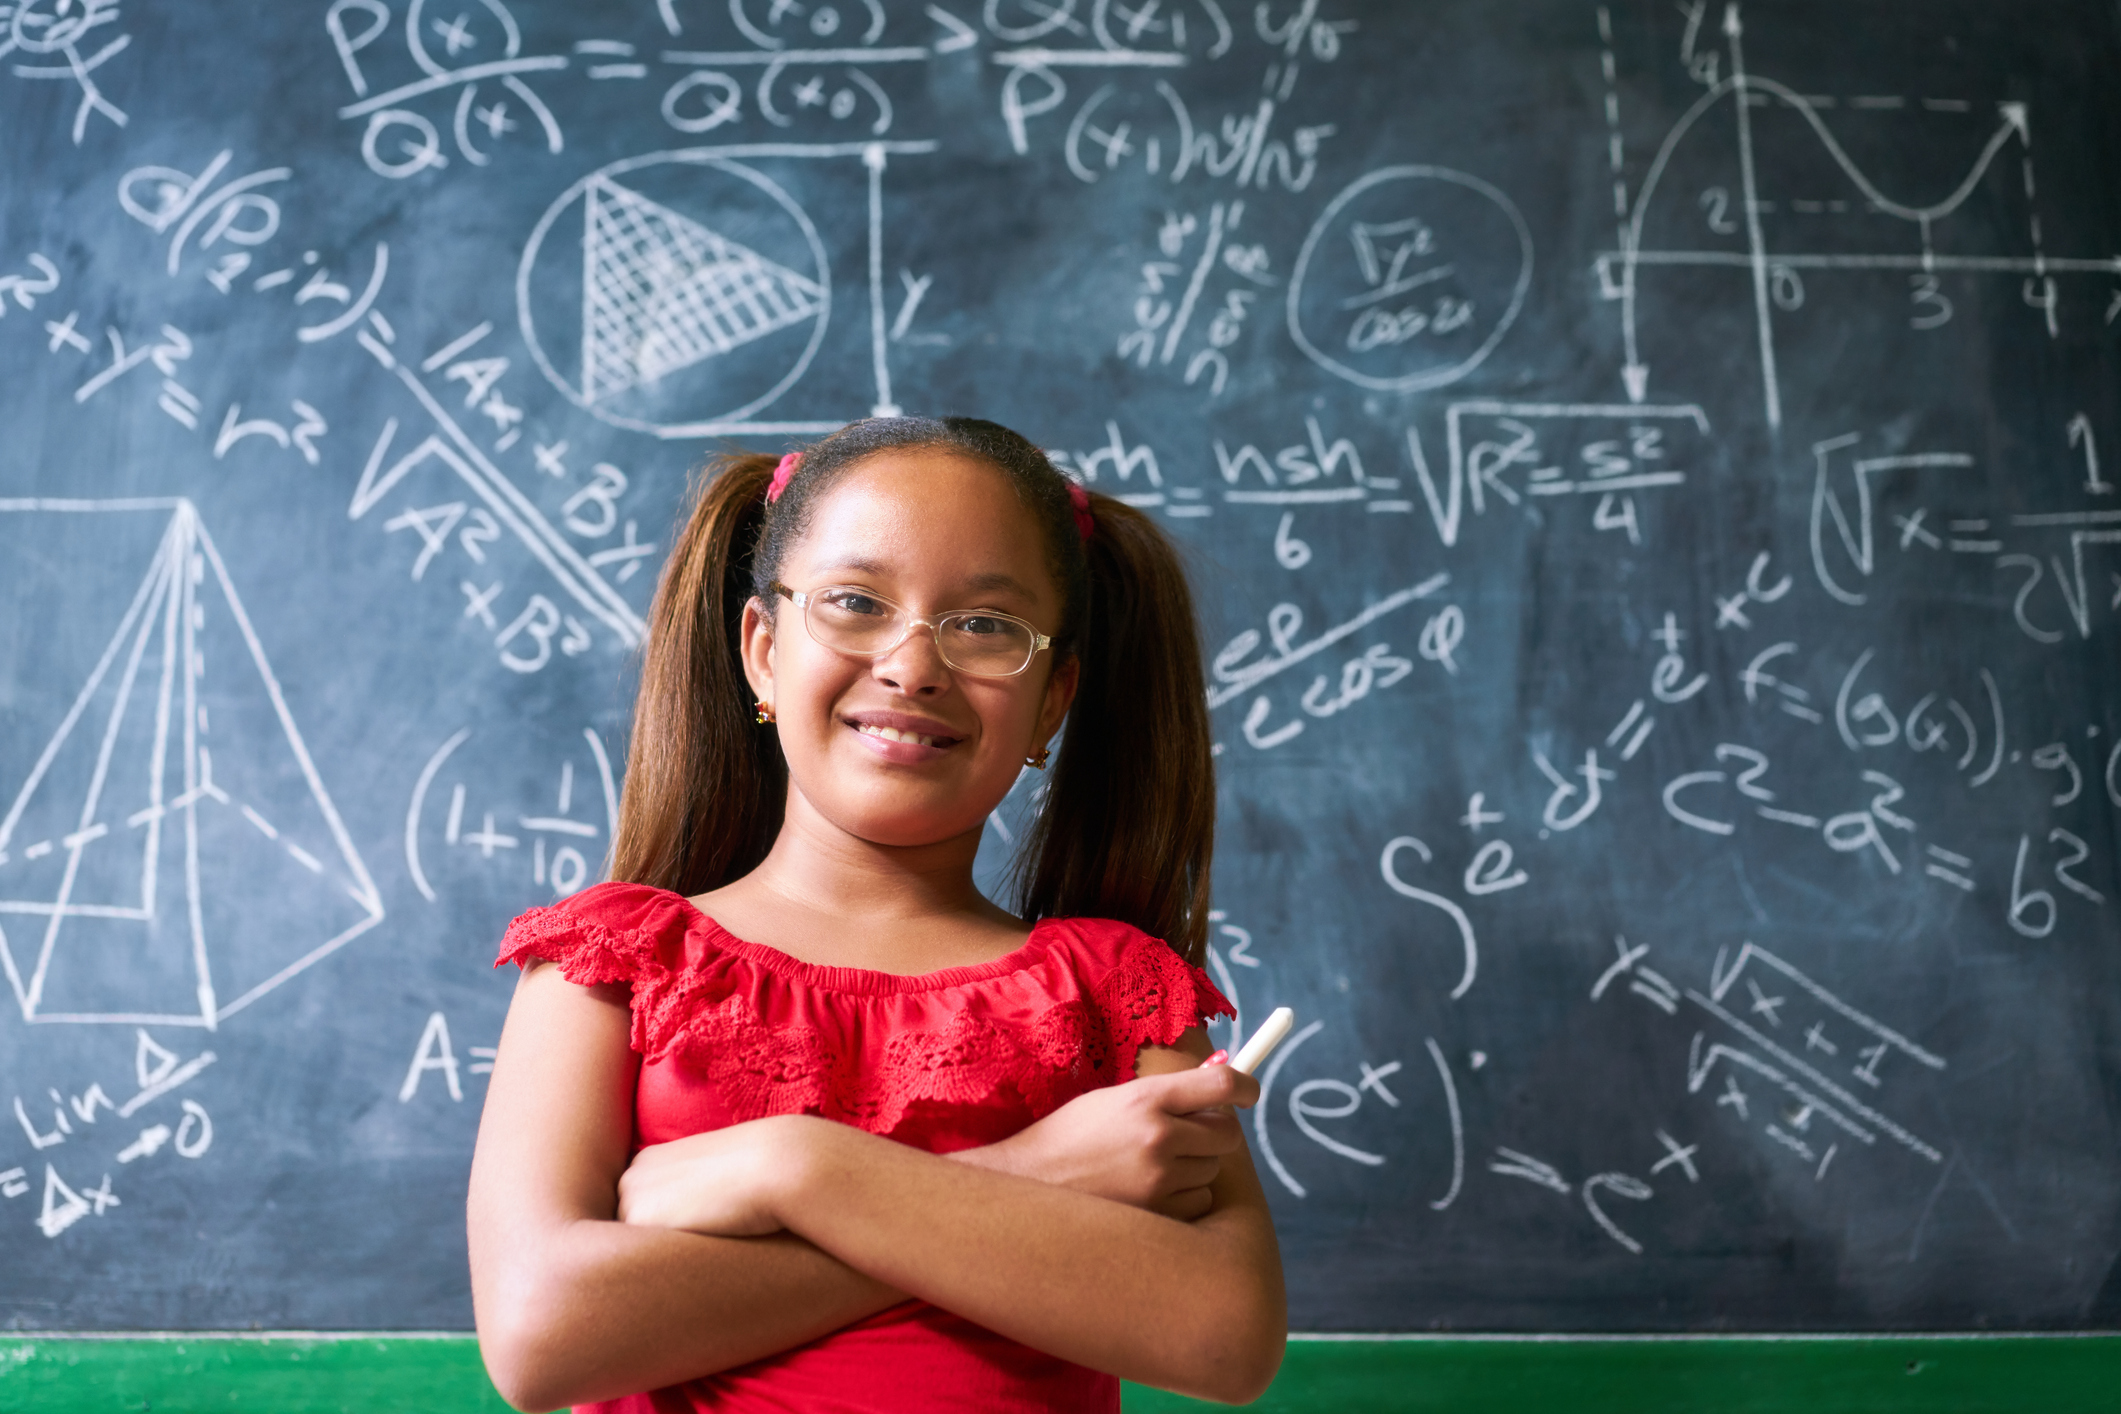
{"points": [[596, 1273]]}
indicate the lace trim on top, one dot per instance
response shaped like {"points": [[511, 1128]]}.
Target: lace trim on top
{"points": [[698, 1012]]}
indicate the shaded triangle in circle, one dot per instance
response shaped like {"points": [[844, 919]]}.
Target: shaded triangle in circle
{"points": [[661, 292]]}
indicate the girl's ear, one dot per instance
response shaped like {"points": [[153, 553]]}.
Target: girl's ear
{"points": [[1060, 695], [757, 649]]}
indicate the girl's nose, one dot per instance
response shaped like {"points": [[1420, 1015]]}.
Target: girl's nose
{"points": [[916, 667]]}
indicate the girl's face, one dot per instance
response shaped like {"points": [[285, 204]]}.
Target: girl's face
{"points": [[931, 531]]}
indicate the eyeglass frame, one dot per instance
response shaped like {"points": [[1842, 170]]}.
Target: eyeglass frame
{"points": [[803, 598]]}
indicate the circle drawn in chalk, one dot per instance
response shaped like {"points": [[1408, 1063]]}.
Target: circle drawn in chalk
{"points": [[685, 303], [1409, 278]]}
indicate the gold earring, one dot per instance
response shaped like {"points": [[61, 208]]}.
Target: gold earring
{"points": [[1037, 759], [763, 714]]}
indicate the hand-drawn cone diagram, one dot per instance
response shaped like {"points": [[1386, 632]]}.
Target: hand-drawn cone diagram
{"points": [[1409, 279], [697, 295], [170, 855]]}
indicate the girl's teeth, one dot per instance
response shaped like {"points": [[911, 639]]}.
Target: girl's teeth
{"points": [[894, 734]]}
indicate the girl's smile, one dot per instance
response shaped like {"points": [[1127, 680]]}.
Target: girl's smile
{"points": [[898, 737]]}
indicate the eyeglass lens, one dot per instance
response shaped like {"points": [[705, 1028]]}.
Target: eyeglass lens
{"points": [[985, 644]]}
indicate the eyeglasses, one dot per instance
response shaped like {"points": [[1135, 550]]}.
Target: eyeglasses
{"points": [[864, 625]]}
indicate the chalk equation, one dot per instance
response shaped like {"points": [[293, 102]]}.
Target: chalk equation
{"points": [[562, 838], [58, 1125], [2024, 548], [247, 212], [1785, 1033], [1306, 1111], [482, 44], [435, 1054]]}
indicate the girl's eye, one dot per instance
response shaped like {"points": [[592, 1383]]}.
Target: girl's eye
{"points": [[860, 605], [982, 625]]}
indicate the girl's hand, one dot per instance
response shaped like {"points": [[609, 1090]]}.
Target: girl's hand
{"points": [[724, 1183], [1156, 1142]]}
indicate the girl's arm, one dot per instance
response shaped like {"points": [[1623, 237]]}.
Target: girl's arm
{"points": [[1195, 1306], [1142, 1144], [574, 1306]]}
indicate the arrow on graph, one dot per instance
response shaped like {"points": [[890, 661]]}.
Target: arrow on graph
{"points": [[1635, 373], [2014, 114]]}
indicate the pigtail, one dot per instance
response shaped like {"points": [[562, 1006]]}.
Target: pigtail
{"points": [[1128, 828], [705, 786]]}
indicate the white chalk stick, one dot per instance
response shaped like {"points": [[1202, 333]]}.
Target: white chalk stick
{"points": [[1264, 1040]]}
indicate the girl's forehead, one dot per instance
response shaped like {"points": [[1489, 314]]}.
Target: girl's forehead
{"points": [[927, 512], [925, 477]]}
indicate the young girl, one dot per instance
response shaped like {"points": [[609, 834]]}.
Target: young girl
{"points": [[789, 1116]]}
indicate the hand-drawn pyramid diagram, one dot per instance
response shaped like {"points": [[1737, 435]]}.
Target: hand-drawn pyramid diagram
{"points": [[170, 854], [698, 295]]}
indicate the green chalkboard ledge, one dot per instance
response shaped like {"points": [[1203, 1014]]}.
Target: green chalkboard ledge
{"points": [[310, 1373]]}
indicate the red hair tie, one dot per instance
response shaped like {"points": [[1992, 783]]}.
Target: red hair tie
{"points": [[781, 475], [1085, 523]]}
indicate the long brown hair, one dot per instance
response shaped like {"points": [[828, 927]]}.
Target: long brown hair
{"points": [[1127, 828]]}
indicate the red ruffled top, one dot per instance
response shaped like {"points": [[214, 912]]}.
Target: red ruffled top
{"points": [[730, 1031]]}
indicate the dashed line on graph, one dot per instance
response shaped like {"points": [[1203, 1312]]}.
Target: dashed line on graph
{"points": [[1616, 149]]}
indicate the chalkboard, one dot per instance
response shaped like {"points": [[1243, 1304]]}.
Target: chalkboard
{"points": [[1642, 465]]}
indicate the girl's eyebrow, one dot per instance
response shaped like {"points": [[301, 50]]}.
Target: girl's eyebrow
{"points": [[985, 583], [864, 567]]}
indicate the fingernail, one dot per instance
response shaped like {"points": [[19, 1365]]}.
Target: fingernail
{"points": [[1217, 1058]]}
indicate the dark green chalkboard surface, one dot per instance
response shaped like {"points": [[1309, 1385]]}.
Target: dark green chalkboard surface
{"points": [[1650, 470]]}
